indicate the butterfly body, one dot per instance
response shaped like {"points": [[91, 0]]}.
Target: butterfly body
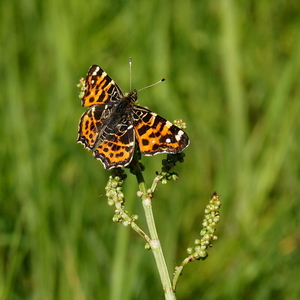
{"points": [[113, 124]]}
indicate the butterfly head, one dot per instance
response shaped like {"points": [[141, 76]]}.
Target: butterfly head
{"points": [[132, 96]]}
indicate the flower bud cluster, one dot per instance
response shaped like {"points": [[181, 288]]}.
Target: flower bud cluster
{"points": [[113, 190], [179, 123], [167, 165], [81, 86], [211, 218]]}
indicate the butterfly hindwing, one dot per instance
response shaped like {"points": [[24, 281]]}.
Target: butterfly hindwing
{"points": [[117, 143]]}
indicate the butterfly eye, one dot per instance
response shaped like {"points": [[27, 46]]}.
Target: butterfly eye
{"points": [[132, 96]]}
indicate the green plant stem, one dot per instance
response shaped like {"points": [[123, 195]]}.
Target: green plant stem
{"points": [[154, 240]]}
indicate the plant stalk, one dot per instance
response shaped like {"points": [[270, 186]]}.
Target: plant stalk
{"points": [[154, 240]]}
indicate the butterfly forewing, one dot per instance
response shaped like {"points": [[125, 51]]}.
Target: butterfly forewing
{"points": [[99, 88], [89, 125], [155, 134]]}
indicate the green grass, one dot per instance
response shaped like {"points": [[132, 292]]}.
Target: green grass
{"points": [[232, 74]]}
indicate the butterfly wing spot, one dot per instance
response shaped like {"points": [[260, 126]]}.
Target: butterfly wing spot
{"points": [[144, 129], [179, 135], [145, 142], [96, 70]]}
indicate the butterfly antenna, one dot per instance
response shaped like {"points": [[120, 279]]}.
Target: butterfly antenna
{"points": [[152, 84], [130, 64]]}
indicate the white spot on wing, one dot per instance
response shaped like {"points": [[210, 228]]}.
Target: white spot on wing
{"points": [[97, 70], [179, 135]]}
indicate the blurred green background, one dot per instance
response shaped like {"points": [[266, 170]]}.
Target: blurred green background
{"points": [[233, 75]]}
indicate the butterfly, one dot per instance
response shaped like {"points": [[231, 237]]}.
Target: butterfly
{"points": [[114, 125]]}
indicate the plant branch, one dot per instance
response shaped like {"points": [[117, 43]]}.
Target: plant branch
{"points": [[154, 240]]}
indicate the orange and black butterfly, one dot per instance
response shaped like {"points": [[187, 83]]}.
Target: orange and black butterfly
{"points": [[113, 125]]}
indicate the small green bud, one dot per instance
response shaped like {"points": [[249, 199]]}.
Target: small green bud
{"points": [[110, 202], [126, 223], [190, 250], [175, 177], [139, 193], [135, 217], [202, 253], [164, 181], [115, 218]]}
